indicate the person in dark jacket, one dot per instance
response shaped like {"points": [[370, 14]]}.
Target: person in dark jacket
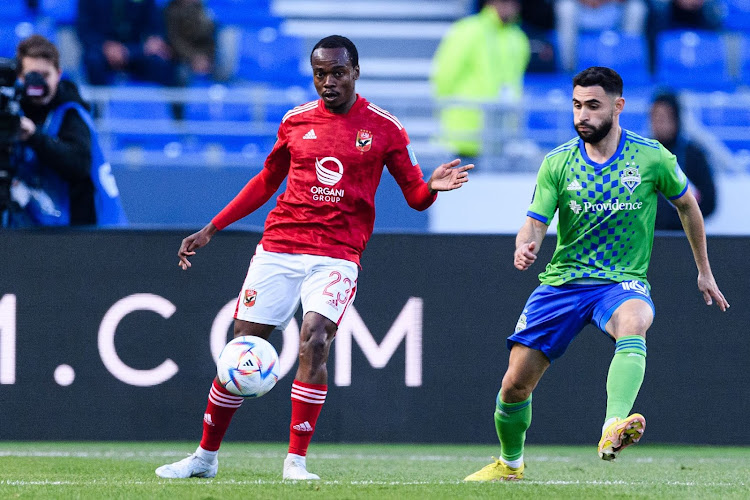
{"points": [[62, 178], [666, 128], [124, 35], [191, 33]]}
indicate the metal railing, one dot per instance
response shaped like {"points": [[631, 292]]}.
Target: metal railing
{"points": [[516, 136]]}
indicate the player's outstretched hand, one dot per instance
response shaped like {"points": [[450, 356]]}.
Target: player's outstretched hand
{"points": [[524, 256], [449, 176], [710, 290], [194, 242]]}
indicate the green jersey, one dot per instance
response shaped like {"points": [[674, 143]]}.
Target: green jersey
{"points": [[606, 210]]}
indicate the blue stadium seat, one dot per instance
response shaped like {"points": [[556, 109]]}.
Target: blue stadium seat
{"points": [[218, 111], [265, 55], [236, 144], [737, 15], [725, 116], [737, 145], [635, 122], [745, 58], [245, 112], [148, 142], [255, 13], [548, 120], [695, 60], [15, 31], [626, 54], [541, 84], [16, 11], [145, 111], [62, 11]]}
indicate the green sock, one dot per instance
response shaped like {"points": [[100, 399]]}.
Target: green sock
{"points": [[511, 422], [625, 375]]}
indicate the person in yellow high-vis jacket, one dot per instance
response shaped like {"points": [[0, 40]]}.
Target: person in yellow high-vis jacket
{"points": [[483, 57]]}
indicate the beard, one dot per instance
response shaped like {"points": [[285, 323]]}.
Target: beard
{"points": [[593, 135]]}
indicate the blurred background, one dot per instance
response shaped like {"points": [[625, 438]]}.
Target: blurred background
{"points": [[182, 147], [180, 151]]}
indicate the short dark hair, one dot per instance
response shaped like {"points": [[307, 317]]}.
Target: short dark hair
{"points": [[338, 42], [37, 46], [606, 78]]}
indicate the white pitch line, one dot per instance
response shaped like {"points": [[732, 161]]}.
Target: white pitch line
{"points": [[261, 482]]}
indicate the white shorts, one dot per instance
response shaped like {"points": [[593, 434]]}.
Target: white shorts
{"points": [[277, 282]]}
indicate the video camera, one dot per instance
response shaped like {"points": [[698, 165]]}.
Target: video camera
{"points": [[10, 122]]}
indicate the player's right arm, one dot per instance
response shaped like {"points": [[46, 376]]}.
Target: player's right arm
{"points": [[528, 243], [540, 213], [255, 193]]}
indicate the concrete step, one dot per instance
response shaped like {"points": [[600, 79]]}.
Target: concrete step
{"points": [[376, 9]]}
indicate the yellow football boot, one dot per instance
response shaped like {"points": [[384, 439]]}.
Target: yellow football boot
{"points": [[497, 471], [620, 434]]}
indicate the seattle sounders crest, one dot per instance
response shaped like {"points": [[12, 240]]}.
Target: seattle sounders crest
{"points": [[630, 177]]}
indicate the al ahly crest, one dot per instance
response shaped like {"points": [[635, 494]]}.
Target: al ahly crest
{"points": [[364, 140], [630, 177]]}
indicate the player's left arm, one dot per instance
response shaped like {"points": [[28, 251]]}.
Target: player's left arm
{"points": [[673, 183], [403, 165], [692, 223]]}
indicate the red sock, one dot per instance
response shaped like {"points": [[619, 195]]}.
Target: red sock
{"points": [[307, 401], [221, 407]]}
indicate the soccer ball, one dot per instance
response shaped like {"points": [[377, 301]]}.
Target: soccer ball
{"points": [[248, 366]]}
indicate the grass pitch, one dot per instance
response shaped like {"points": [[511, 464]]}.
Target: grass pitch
{"points": [[354, 471]]}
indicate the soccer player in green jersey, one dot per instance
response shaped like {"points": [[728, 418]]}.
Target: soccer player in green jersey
{"points": [[604, 185]]}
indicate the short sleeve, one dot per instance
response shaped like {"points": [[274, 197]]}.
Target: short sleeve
{"points": [[671, 181], [545, 196]]}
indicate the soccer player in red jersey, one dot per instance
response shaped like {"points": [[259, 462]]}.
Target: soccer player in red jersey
{"points": [[332, 152]]}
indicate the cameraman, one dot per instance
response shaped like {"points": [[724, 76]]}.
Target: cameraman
{"points": [[62, 178]]}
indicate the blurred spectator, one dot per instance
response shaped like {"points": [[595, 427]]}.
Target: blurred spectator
{"points": [[33, 5], [666, 128], [191, 34], [124, 35], [685, 14], [483, 57], [628, 16], [681, 14], [538, 22], [62, 177]]}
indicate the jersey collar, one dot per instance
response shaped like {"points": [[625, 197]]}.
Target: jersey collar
{"points": [[357, 104], [599, 166]]}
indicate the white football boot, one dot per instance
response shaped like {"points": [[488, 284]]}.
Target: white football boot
{"points": [[295, 469], [192, 466]]}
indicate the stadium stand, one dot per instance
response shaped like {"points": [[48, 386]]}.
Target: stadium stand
{"points": [[263, 45], [737, 15], [17, 11], [63, 12], [696, 60], [15, 30], [265, 55], [627, 54], [254, 13]]}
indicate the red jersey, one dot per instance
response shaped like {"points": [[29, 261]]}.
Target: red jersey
{"points": [[333, 164]]}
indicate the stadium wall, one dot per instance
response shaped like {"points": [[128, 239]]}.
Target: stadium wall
{"points": [[191, 196], [489, 203], [103, 337]]}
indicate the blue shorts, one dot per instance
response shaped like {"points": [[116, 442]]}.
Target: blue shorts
{"points": [[554, 315]]}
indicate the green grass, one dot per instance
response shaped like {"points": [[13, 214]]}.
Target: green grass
{"points": [[353, 471]]}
